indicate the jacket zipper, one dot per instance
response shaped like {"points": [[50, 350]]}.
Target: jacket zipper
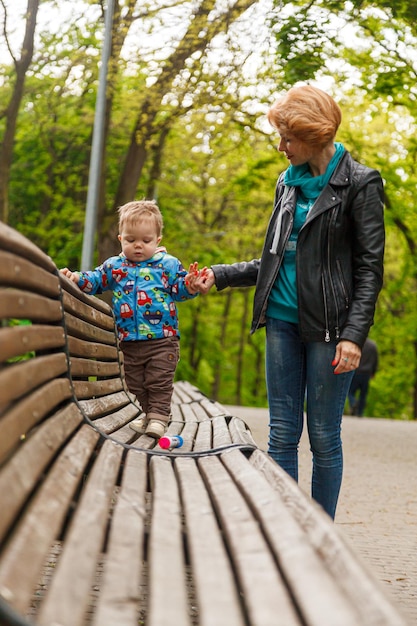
{"points": [[326, 317], [286, 237], [331, 219]]}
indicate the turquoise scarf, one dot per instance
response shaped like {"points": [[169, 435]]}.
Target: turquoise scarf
{"points": [[312, 186]]}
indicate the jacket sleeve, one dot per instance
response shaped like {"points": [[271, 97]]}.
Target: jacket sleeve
{"points": [[367, 211], [243, 274], [94, 281]]}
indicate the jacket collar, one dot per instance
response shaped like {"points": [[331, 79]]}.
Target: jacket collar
{"points": [[330, 196], [342, 176]]}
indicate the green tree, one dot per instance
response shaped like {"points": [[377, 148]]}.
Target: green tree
{"points": [[188, 86], [15, 81]]}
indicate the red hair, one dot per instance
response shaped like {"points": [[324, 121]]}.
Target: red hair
{"points": [[307, 113]]}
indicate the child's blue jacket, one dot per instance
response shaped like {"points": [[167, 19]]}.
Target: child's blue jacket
{"points": [[144, 294]]}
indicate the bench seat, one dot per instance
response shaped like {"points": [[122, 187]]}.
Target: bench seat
{"points": [[100, 526]]}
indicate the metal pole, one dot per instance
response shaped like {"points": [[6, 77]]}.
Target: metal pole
{"points": [[94, 175]]}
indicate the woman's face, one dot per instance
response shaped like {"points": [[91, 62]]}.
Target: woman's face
{"points": [[297, 152]]}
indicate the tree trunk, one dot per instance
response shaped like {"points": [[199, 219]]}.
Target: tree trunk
{"points": [[242, 342], [258, 381], [222, 344], [12, 110], [195, 356], [415, 384], [146, 130]]}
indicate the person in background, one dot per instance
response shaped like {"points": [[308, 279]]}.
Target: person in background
{"points": [[146, 283], [317, 284], [368, 366]]}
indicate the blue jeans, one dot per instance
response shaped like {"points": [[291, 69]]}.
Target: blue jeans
{"points": [[292, 369]]}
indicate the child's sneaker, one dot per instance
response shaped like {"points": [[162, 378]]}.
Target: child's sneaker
{"points": [[138, 425], [155, 429]]}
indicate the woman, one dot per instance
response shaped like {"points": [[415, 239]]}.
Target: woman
{"points": [[317, 283]]}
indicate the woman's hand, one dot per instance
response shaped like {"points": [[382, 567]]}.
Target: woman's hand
{"points": [[347, 357], [205, 280]]}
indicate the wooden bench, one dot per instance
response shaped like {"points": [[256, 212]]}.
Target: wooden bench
{"points": [[100, 526]]}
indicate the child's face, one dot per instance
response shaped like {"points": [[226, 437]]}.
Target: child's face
{"points": [[139, 240]]}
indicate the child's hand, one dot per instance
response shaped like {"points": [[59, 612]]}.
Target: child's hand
{"points": [[74, 276], [199, 281], [191, 278]]}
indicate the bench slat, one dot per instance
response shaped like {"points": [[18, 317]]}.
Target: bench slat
{"points": [[20, 340], [96, 388], [87, 349], [373, 606], [318, 595], [15, 271], [110, 423], [264, 592], [217, 598], [167, 579], [188, 434], [99, 407], [20, 475], [85, 330], [176, 413], [221, 434], [30, 411], [84, 311], [188, 392], [24, 556], [12, 240], [86, 367], [119, 593], [213, 409], [240, 432], [199, 412], [19, 379], [92, 301], [68, 596], [188, 413], [128, 436], [203, 440], [18, 304], [180, 396]]}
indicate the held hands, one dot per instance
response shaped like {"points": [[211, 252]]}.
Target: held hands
{"points": [[347, 357], [205, 280], [199, 281]]}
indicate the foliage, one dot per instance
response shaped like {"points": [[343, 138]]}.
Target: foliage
{"points": [[189, 85]]}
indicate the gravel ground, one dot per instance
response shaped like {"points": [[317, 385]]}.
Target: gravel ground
{"points": [[377, 510]]}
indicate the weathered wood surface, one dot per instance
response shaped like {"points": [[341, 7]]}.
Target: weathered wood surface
{"points": [[101, 526]]}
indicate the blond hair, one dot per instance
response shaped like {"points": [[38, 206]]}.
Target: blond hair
{"points": [[138, 210], [307, 113]]}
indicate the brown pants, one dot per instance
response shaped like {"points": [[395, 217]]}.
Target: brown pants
{"points": [[149, 369]]}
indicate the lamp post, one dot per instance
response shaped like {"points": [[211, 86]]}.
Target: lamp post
{"points": [[96, 159]]}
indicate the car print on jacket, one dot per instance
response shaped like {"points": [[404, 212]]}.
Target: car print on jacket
{"points": [[144, 294]]}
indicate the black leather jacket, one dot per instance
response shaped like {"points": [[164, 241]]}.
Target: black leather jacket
{"points": [[339, 257]]}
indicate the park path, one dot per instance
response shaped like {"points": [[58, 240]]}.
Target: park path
{"points": [[377, 510]]}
